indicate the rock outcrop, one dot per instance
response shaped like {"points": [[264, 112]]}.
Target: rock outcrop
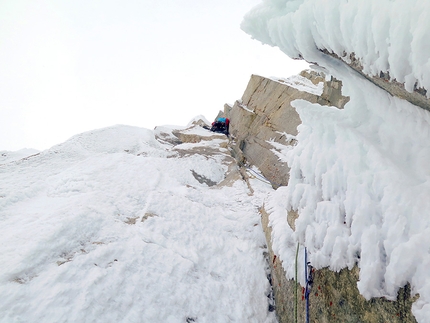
{"points": [[261, 119], [265, 115]]}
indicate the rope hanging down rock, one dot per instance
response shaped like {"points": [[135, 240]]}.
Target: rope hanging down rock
{"points": [[261, 177], [309, 282], [297, 285]]}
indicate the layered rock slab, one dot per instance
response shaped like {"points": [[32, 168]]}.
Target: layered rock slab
{"points": [[265, 115]]}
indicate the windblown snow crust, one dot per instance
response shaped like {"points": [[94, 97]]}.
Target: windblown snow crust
{"points": [[114, 226], [360, 177], [385, 35]]}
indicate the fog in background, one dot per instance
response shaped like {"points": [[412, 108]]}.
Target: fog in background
{"points": [[73, 66]]}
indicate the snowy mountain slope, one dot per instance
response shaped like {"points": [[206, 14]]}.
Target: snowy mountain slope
{"points": [[359, 176], [115, 226]]}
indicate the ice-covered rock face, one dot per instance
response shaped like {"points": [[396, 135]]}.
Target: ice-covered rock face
{"points": [[384, 36], [359, 176]]}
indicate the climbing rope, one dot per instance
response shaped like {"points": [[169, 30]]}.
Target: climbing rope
{"points": [[260, 177], [309, 282], [297, 285], [306, 288]]}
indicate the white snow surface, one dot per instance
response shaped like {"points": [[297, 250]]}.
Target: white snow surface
{"points": [[385, 35], [199, 118], [301, 83], [112, 226], [8, 156], [360, 177]]}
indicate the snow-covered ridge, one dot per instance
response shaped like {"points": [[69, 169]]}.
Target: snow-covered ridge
{"points": [[114, 225], [385, 35], [10, 156]]}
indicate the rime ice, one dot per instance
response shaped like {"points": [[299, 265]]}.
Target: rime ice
{"points": [[359, 176]]}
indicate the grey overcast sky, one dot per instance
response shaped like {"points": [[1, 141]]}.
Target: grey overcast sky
{"points": [[71, 66]]}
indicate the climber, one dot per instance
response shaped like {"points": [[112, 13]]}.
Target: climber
{"points": [[221, 125]]}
